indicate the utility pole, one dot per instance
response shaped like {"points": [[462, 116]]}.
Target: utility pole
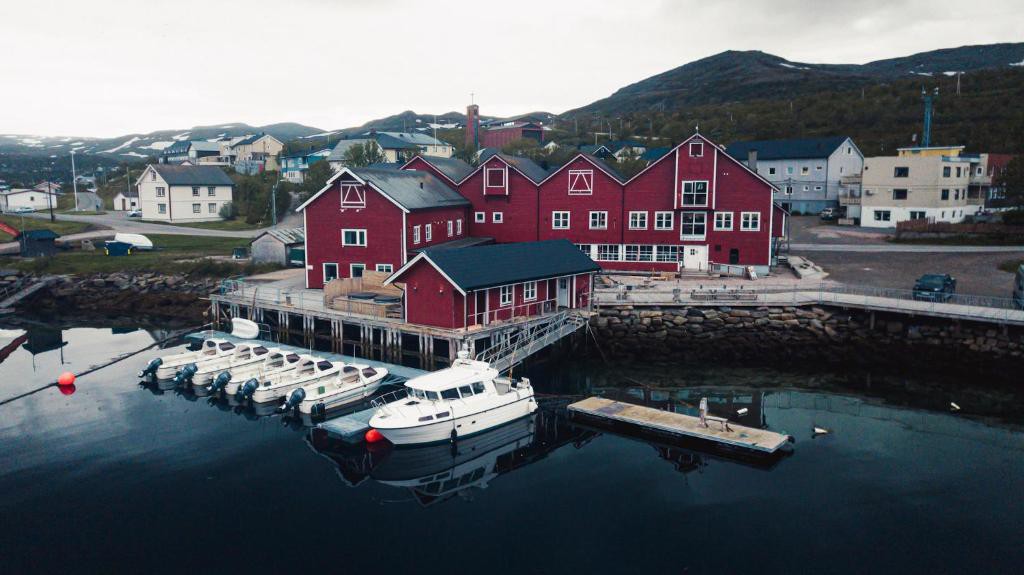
{"points": [[926, 140], [958, 83], [273, 200], [49, 197], [74, 179]]}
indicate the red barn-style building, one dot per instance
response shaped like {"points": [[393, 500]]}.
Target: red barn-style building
{"points": [[693, 208], [371, 219], [462, 287]]}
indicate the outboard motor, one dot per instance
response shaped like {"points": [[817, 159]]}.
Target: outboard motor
{"points": [[151, 368], [220, 381], [246, 390], [186, 373], [294, 399]]}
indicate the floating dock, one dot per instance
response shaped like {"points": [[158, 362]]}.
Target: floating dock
{"points": [[717, 430], [349, 428]]}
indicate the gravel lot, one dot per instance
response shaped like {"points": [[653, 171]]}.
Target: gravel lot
{"points": [[811, 230]]}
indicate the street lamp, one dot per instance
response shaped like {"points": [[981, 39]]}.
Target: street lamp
{"points": [[74, 179]]}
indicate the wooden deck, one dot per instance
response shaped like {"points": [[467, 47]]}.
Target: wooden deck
{"points": [[717, 431]]}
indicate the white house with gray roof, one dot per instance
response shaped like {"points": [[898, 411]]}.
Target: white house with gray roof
{"points": [[183, 193]]}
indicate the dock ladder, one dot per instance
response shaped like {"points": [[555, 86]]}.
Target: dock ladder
{"points": [[531, 338]]}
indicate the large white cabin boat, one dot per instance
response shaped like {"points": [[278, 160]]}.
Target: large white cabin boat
{"points": [[467, 398]]}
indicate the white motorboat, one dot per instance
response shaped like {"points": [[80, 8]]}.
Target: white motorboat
{"points": [[353, 382], [275, 362], [311, 370], [244, 354], [467, 398], [166, 367]]}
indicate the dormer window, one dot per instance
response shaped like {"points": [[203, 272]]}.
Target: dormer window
{"points": [[495, 178], [696, 149]]}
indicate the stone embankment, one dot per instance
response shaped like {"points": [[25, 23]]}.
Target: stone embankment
{"points": [[790, 335], [121, 293]]}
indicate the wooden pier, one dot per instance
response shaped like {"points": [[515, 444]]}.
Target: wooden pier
{"points": [[717, 430]]}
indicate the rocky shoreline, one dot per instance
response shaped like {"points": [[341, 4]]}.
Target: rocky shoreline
{"points": [[121, 293], [813, 334]]}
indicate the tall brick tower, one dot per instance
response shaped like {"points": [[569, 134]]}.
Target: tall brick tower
{"points": [[473, 126]]}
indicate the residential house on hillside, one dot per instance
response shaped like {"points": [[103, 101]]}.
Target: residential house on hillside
{"points": [[48, 187], [400, 146], [183, 193], [193, 151], [16, 199], [917, 184], [695, 208], [256, 153], [499, 132], [294, 166], [338, 153], [811, 174], [986, 169]]}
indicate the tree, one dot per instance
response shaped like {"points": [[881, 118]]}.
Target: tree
{"points": [[316, 177], [1011, 180], [364, 154], [527, 147], [228, 211]]}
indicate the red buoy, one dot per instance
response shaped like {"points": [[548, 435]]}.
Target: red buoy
{"points": [[373, 436], [66, 378], [67, 389]]}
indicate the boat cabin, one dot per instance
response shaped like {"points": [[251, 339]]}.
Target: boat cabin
{"points": [[461, 288]]}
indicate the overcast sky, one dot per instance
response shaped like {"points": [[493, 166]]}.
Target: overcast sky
{"points": [[108, 67]]}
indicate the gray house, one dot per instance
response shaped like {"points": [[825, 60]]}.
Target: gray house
{"points": [[811, 174], [279, 246]]}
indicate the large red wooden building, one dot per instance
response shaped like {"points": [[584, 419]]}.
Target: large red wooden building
{"points": [[693, 208]]}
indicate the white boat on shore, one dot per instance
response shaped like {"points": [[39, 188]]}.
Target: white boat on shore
{"points": [[353, 383], [276, 362], [311, 370], [465, 399], [166, 367]]}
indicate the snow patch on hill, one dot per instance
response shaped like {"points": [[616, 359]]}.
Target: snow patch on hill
{"points": [[126, 143], [158, 145]]}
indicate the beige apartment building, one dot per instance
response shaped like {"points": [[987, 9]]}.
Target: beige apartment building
{"points": [[918, 183]]}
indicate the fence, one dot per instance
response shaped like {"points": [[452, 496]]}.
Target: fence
{"points": [[964, 306], [926, 226]]}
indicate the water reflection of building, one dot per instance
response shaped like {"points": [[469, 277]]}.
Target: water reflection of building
{"points": [[435, 473], [42, 339]]}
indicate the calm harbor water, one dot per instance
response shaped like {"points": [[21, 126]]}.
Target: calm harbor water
{"points": [[119, 477]]}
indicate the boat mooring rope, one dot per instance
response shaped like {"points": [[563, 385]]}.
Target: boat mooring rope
{"points": [[94, 368]]}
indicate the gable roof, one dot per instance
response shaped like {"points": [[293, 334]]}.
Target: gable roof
{"points": [[252, 139], [597, 162], [414, 138], [717, 148], [185, 175], [502, 264], [408, 189], [593, 149], [809, 148], [342, 147], [322, 152], [285, 235], [453, 168], [132, 193], [652, 154], [204, 146], [525, 166], [389, 142]]}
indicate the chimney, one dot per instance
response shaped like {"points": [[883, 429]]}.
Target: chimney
{"points": [[752, 160], [473, 126]]}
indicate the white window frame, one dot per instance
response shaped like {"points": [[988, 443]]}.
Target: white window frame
{"points": [[197, 208], [771, 171], [358, 231], [451, 228], [352, 195], [530, 291], [682, 226], [618, 253], [212, 207], [633, 253], [161, 208], [804, 170], [603, 223], [480, 217], [888, 215], [660, 225], [556, 216], [161, 191], [195, 191], [415, 235], [699, 146], [352, 269], [428, 233], [637, 225], [487, 178], [661, 254], [576, 177], [743, 221], [337, 271], [505, 295], [211, 191], [682, 193], [720, 224], [458, 227], [497, 217], [385, 268]]}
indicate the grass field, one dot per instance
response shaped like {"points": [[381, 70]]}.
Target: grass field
{"points": [[235, 225], [60, 226], [166, 259]]}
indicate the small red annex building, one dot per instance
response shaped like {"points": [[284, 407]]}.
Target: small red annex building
{"points": [[461, 287], [374, 218]]}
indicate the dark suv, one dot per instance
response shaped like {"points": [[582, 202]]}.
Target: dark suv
{"points": [[934, 287]]}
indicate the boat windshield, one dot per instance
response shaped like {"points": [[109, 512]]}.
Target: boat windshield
{"points": [[324, 365], [227, 346]]}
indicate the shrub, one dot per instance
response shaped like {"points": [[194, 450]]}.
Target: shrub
{"points": [[228, 211], [1014, 218]]}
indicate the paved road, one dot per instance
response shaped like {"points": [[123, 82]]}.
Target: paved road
{"points": [[119, 222], [902, 248]]}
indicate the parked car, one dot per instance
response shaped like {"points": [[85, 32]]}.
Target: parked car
{"points": [[829, 214], [935, 287], [135, 214], [23, 210]]}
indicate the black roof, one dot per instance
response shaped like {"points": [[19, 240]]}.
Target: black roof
{"points": [[412, 189], [453, 168], [193, 175], [604, 166], [805, 149], [501, 264]]}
